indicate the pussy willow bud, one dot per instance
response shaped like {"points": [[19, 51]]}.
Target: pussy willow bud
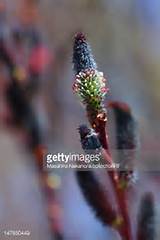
{"points": [[90, 86], [126, 142], [92, 190], [146, 218], [82, 55], [89, 138]]}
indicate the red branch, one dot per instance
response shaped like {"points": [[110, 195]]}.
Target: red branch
{"points": [[125, 230]]}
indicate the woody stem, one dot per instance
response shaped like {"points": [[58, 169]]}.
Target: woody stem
{"points": [[120, 194]]}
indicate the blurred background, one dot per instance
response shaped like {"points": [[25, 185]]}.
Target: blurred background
{"points": [[38, 37]]}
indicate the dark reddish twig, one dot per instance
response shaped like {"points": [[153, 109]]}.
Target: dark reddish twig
{"points": [[125, 230]]}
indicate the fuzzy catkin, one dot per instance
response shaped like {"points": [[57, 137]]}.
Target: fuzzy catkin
{"points": [[90, 187], [82, 54], [146, 218]]}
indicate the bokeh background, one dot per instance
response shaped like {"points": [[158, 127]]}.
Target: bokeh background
{"points": [[124, 36]]}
